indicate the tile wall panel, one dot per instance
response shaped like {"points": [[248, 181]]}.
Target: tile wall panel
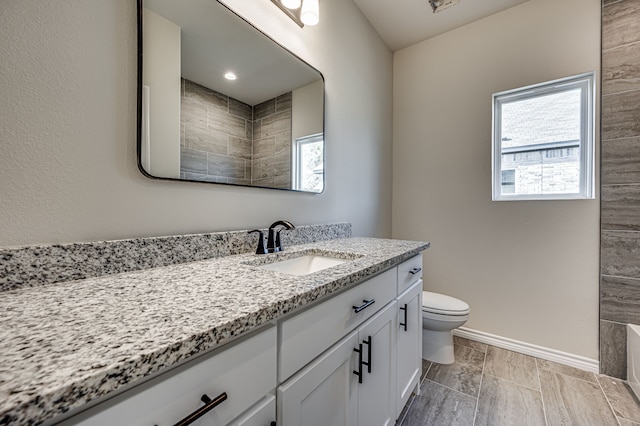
{"points": [[620, 161], [620, 23], [620, 207], [621, 69], [620, 299], [238, 142], [620, 253], [613, 349], [620, 115], [620, 181]]}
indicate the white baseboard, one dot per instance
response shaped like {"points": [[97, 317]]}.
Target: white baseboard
{"points": [[583, 363]]}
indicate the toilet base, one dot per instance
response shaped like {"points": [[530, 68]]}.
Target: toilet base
{"points": [[437, 346]]}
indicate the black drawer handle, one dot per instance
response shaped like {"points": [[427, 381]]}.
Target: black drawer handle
{"points": [[369, 343], [365, 305], [404, 324], [210, 404], [359, 372], [415, 271]]}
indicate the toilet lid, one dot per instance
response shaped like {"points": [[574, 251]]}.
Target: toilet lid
{"points": [[443, 304]]}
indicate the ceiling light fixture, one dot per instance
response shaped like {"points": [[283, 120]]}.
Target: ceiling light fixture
{"points": [[230, 75], [302, 12], [440, 5], [310, 14]]}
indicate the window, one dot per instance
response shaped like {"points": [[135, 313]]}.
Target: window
{"points": [[308, 163], [543, 141]]}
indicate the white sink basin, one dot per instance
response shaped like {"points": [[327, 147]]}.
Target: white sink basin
{"points": [[304, 265]]}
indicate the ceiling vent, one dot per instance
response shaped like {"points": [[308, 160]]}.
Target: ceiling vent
{"points": [[440, 5]]}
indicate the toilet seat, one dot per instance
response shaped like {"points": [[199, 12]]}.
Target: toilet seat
{"points": [[436, 303]]}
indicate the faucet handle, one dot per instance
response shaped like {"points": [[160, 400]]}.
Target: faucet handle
{"points": [[261, 249], [278, 242]]}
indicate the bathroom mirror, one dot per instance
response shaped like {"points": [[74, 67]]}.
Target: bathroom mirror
{"points": [[220, 102]]}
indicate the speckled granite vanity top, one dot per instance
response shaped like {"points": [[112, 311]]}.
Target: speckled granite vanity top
{"points": [[66, 344]]}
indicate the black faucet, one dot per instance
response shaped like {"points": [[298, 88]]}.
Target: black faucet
{"points": [[274, 244], [273, 241]]}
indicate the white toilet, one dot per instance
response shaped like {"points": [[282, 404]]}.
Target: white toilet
{"points": [[440, 315]]}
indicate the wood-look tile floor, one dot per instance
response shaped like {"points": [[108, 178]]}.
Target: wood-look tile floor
{"points": [[490, 386]]}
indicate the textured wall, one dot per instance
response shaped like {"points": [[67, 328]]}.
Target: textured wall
{"points": [[528, 269], [68, 128], [620, 218]]}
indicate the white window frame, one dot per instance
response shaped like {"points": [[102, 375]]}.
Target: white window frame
{"points": [[585, 82]]}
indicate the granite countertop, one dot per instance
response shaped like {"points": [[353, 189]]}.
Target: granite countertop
{"points": [[66, 344]]}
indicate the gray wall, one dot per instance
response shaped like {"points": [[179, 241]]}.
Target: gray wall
{"points": [[528, 269], [68, 128], [620, 219]]}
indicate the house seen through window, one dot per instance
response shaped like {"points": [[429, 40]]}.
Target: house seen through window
{"points": [[543, 141]]}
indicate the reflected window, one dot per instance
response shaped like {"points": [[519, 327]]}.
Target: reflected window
{"points": [[308, 163]]}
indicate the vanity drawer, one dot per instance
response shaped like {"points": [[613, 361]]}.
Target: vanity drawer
{"points": [[308, 334], [244, 371], [409, 272]]}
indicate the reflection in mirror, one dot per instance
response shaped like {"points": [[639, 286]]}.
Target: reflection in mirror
{"points": [[221, 102]]}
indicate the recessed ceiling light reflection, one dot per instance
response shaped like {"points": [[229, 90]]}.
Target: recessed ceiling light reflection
{"points": [[230, 76]]}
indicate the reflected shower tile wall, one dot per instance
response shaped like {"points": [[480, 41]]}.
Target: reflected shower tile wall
{"points": [[620, 181], [217, 131], [271, 162], [46, 264], [229, 141]]}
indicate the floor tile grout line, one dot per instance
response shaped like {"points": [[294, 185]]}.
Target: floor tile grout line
{"points": [[567, 375], [514, 383], [608, 402], [475, 412], [452, 389], [544, 408]]}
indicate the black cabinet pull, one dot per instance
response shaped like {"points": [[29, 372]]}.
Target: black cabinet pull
{"points": [[210, 404], [404, 308], [359, 372], [369, 343], [415, 271], [365, 305]]}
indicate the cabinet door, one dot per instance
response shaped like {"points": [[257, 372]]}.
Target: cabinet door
{"points": [[377, 392], [324, 393], [409, 343]]}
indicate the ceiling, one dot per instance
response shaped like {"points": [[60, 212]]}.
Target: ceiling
{"points": [[215, 40], [402, 23]]}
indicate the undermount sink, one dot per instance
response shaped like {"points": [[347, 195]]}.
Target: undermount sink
{"points": [[304, 265]]}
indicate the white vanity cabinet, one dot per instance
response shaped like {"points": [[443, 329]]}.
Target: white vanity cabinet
{"points": [[244, 372], [350, 360]]}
